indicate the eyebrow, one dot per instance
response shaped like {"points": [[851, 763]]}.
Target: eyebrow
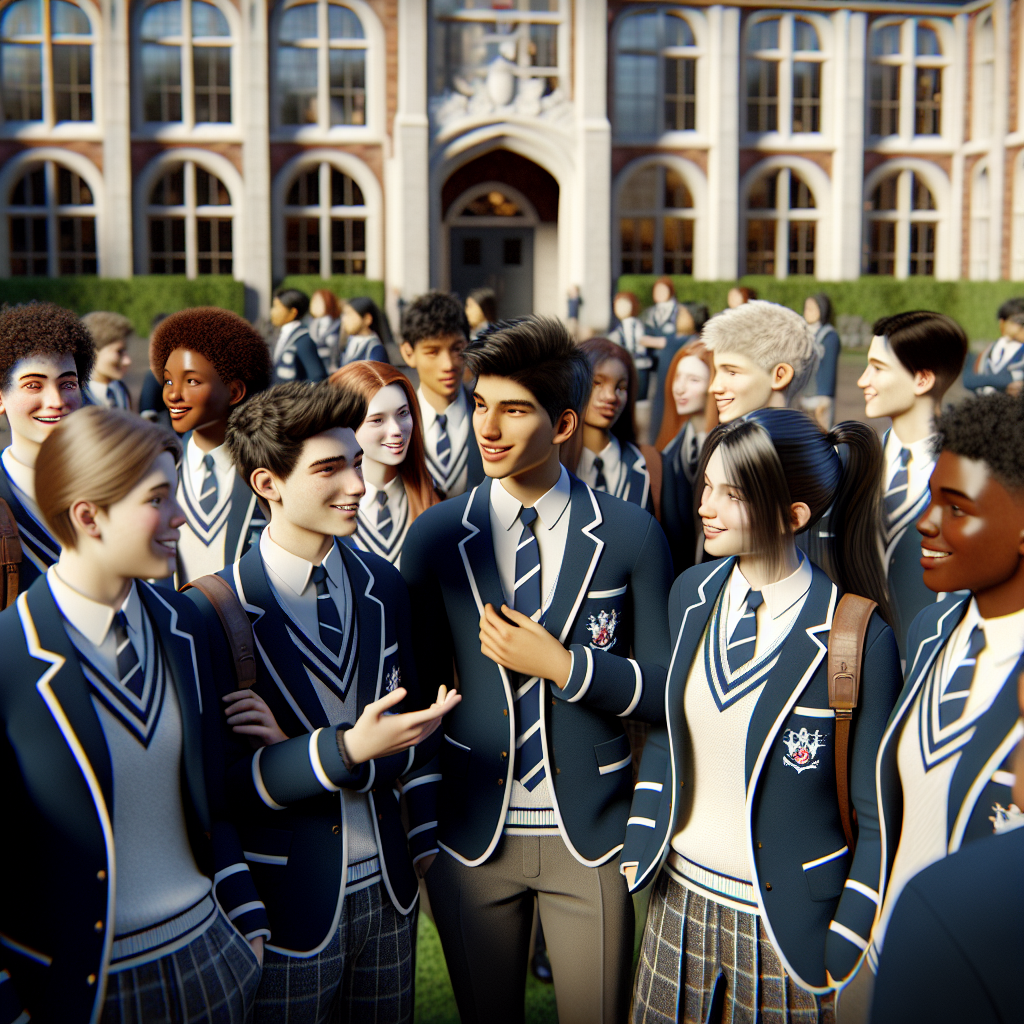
{"points": [[329, 459], [159, 488], [953, 492], [44, 376], [506, 402]]}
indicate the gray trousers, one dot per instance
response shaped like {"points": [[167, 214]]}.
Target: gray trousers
{"points": [[484, 916]]}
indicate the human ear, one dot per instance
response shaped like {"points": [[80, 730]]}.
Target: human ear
{"points": [[782, 376], [799, 515], [236, 391], [83, 516], [565, 427], [408, 353], [263, 483], [924, 381]]}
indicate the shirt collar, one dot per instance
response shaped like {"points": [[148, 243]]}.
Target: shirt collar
{"points": [[549, 506], [91, 618], [195, 455], [24, 477], [610, 455], [456, 412], [294, 571], [778, 597], [394, 489], [288, 330], [1003, 633], [921, 452]]}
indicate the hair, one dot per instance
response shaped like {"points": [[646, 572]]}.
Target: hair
{"points": [[922, 340], [749, 294], [699, 314], [231, 344], [824, 304], [96, 455], [486, 299], [1010, 307], [537, 353], [633, 301], [330, 301], [989, 428], [270, 430], [292, 298], [598, 351], [364, 305], [666, 280], [107, 328], [1016, 318], [366, 378], [777, 457], [671, 421], [767, 334], [434, 315], [43, 329]]}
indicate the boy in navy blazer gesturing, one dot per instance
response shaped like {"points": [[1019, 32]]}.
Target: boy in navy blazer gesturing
{"points": [[549, 599]]}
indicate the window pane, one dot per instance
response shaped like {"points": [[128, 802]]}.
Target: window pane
{"points": [[922, 250], [800, 196], [760, 247], [72, 82], [24, 18], [806, 96], [296, 83], [885, 100], [29, 247], [677, 195], [213, 251], [762, 193], [302, 245], [885, 42], [805, 36], [544, 46], [76, 245], [210, 190], [344, 191], [212, 70], [880, 250], [22, 81], [678, 245], [762, 95], [305, 190], [928, 42], [636, 94], [68, 19], [678, 31], [166, 245], [637, 245], [170, 189], [928, 101], [343, 23], [163, 19], [161, 82], [639, 32], [640, 193], [920, 195], [884, 195], [298, 23], [512, 252], [764, 35], [207, 20], [348, 246], [31, 189], [801, 247], [348, 86], [71, 189], [680, 94]]}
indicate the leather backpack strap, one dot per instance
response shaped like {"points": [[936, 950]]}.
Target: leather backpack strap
{"points": [[237, 627], [653, 459], [845, 655], [10, 555]]}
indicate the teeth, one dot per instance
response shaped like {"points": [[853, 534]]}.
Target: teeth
{"points": [[928, 553]]}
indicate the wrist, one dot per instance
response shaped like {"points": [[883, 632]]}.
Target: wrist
{"points": [[343, 748], [563, 670]]}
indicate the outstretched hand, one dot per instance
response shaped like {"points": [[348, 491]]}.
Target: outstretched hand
{"points": [[523, 646], [378, 733], [249, 715]]}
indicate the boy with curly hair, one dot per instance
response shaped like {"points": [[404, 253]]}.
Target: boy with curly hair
{"points": [[210, 361], [46, 356]]}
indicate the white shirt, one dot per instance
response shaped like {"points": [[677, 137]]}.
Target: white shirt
{"points": [[394, 489], [782, 603], [613, 469], [458, 428], [367, 536], [24, 479], [919, 468], [1003, 352], [195, 558], [284, 335]]}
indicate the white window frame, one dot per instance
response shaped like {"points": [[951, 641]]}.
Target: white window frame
{"points": [[371, 212], [983, 77], [188, 127], [785, 56], [373, 45], [669, 138], [979, 262]]}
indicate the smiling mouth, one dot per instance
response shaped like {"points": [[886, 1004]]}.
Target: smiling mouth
{"points": [[712, 531], [495, 451], [179, 410], [934, 555], [352, 506], [169, 544], [50, 419]]}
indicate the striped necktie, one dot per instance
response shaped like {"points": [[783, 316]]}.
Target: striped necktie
{"points": [[526, 599], [384, 523], [129, 671], [444, 443], [208, 490], [112, 402], [331, 633], [958, 686], [740, 648], [896, 495], [600, 484]]}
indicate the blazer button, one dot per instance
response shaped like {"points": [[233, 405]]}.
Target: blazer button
{"points": [[558, 771], [504, 753], [101, 875], [501, 782], [98, 926], [380, 817], [768, 886], [504, 711], [336, 829], [91, 980], [758, 844]]}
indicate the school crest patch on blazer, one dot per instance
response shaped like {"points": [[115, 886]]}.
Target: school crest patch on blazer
{"points": [[1004, 819], [602, 629], [803, 749], [394, 679]]}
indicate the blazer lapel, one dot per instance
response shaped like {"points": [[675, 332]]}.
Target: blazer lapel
{"points": [[38, 545], [474, 461], [243, 507], [369, 621], [477, 549], [638, 481]]}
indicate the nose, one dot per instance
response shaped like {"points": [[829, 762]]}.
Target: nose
{"points": [[717, 385], [862, 381], [928, 524], [446, 360], [177, 517], [489, 425], [353, 482], [54, 395], [172, 391]]}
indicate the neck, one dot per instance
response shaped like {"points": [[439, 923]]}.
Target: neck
{"points": [[776, 400], [210, 435], [760, 573], [1004, 598], [101, 378], [917, 423], [595, 438], [532, 484], [24, 451], [699, 422], [297, 540], [437, 401], [85, 570], [377, 473]]}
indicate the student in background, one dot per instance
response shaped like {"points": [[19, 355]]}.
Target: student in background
{"points": [[690, 320], [295, 355], [325, 326], [739, 295], [631, 334], [481, 310], [366, 331], [819, 399], [1000, 367], [151, 399], [110, 333]]}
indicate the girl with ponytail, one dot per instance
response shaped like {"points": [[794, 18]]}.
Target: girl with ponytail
{"points": [[736, 798]]}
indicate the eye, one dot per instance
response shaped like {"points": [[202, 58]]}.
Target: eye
{"points": [[156, 501], [957, 512]]}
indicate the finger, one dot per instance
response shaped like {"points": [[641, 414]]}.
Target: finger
{"points": [[518, 617], [389, 700], [494, 618], [247, 704], [249, 716], [238, 695]]}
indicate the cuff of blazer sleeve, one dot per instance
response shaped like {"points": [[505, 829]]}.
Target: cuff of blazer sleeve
{"points": [[332, 764], [581, 674]]}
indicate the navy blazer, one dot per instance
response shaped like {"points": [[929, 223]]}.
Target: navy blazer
{"points": [[635, 482], [57, 903], [955, 944], [608, 609], [299, 360], [817, 903], [285, 798], [980, 375], [983, 776], [361, 347], [677, 506], [828, 367], [38, 549]]}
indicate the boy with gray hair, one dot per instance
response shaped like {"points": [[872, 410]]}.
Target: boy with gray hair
{"points": [[765, 354]]}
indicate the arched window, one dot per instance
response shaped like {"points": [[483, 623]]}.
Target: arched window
{"points": [[783, 70], [905, 79], [655, 74], [980, 221], [190, 223], [656, 222], [321, 65], [185, 55], [781, 225], [324, 223], [45, 62], [984, 77], [900, 233], [51, 223]]}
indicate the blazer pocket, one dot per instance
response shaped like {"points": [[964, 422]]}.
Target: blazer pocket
{"points": [[454, 757], [613, 755], [266, 845], [827, 875], [602, 617]]}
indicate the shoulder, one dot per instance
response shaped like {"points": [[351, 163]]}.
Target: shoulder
{"points": [[379, 568], [618, 515], [690, 581], [435, 525], [175, 602], [632, 455], [930, 619]]}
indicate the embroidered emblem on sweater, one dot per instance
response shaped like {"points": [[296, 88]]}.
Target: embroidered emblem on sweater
{"points": [[394, 680], [803, 749], [1005, 818], [602, 629]]}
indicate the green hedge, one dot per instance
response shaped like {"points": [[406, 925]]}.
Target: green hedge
{"points": [[138, 298], [345, 286], [972, 303]]}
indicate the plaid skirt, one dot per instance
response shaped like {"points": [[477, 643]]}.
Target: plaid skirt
{"points": [[704, 963]]}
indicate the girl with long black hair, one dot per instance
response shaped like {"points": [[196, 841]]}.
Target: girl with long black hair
{"points": [[367, 330], [766, 907]]}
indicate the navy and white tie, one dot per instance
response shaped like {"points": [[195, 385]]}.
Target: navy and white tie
{"points": [[958, 686], [444, 442], [327, 612], [896, 494], [601, 483], [740, 648], [112, 402], [384, 523], [526, 599], [208, 490], [129, 671]]}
